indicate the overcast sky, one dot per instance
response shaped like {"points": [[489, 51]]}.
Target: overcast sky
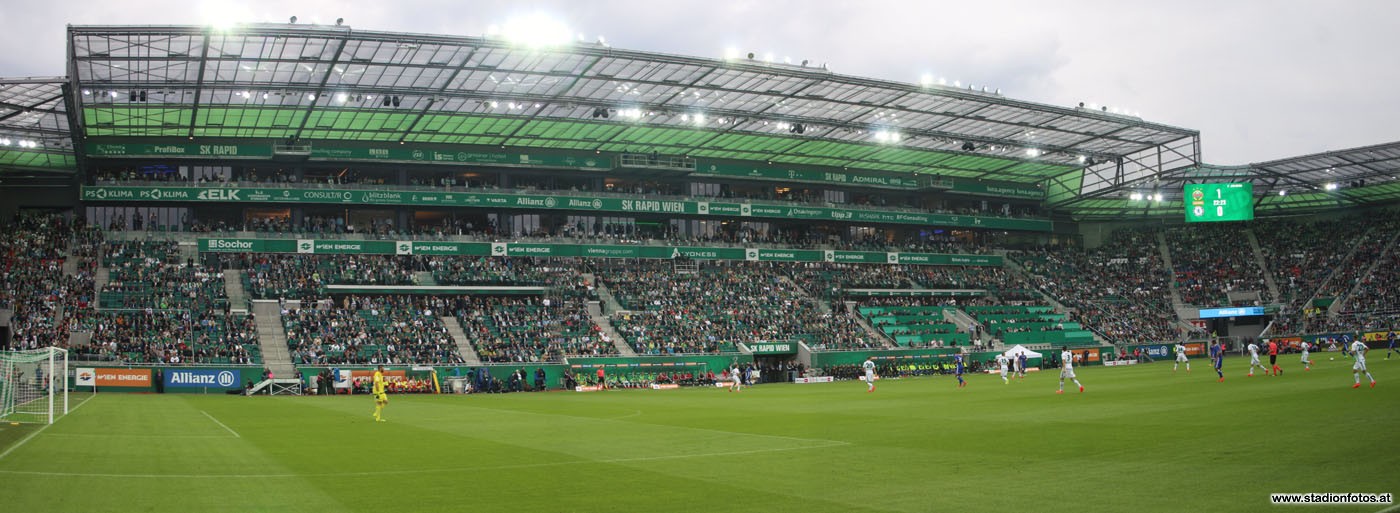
{"points": [[1261, 80]]}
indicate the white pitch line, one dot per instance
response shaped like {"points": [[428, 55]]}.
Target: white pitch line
{"points": [[419, 471], [156, 437], [24, 441], [221, 424], [40, 430]]}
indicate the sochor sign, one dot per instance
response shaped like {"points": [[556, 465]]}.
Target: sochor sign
{"points": [[519, 249], [550, 202]]}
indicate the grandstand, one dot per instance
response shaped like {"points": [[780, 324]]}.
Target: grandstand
{"points": [[292, 203], [516, 207]]}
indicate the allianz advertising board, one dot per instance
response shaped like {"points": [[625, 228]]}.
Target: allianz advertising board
{"points": [[201, 378], [1158, 351]]}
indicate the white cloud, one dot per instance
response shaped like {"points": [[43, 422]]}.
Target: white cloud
{"points": [[1260, 79]]}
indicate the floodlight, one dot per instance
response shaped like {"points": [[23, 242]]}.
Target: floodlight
{"points": [[538, 30]]}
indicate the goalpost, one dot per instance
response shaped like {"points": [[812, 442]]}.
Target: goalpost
{"points": [[33, 385]]}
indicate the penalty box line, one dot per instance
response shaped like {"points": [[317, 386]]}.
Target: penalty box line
{"points": [[40, 430]]}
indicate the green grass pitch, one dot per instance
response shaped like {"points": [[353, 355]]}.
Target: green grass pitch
{"points": [[1140, 439]]}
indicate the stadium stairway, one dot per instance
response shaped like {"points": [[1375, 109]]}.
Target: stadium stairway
{"points": [[1263, 266], [1336, 307], [964, 321], [100, 279], [595, 311], [272, 338], [1350, 255], [79, 338], [1183, 311], [1015, 268], [233, 288], [464, 345], [605, 296], [822, 304], [885, 340], [424, 278]]}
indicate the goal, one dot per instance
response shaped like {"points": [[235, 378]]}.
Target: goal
{"points": [[33, 385]]}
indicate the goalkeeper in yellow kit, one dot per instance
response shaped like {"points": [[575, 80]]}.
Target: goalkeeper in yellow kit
{"points": [[380, 397]]}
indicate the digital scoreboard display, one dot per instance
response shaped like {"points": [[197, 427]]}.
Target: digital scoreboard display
{"points": [[1210, 202]]}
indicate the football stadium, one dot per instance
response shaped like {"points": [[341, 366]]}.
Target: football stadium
{"points": [[305, 267]]}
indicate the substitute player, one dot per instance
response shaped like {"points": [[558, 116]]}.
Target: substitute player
{"points": [[869, 367], [1217, 357], [1181, 358], [1254, 359], [1003, 362], [1358, 353], [958, 370], [1067, 370], [381, 398], [1307, 364]]}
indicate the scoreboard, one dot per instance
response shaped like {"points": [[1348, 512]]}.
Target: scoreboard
{"points": [[1209, 202]]}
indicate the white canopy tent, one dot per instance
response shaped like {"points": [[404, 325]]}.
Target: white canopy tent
{"points": [[1011, 353]]}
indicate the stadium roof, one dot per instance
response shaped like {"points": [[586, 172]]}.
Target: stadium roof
{"points": [[277, 82], [283, 81], [1336, 179], [34, 132]]}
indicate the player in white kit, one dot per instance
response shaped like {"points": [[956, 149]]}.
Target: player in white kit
{"points": [[869, 367], [1181, 358], [1307, 364], [1067, 369], [736, 379], [1003, 362], [1254, 359], [1358, 353]]}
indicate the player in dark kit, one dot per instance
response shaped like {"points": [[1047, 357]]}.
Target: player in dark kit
{"points": [[1217, 357], [958, 360]]}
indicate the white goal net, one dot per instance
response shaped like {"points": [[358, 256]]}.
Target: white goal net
{"points": [[33, 385]]}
